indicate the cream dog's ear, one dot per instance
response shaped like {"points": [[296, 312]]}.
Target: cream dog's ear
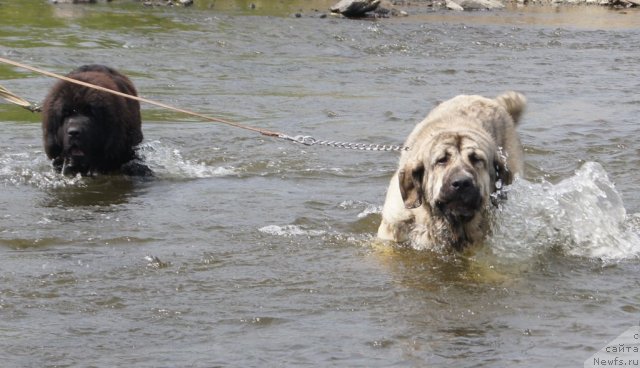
{"points": [[410, 179], [514, 103]]}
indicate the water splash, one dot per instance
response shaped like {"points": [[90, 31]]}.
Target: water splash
{"points": [[583, 216], [167, 162], [34, 169]]}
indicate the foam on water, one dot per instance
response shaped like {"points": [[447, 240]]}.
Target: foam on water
{"points": [[367, 208], [583, 216], [290, 230]]}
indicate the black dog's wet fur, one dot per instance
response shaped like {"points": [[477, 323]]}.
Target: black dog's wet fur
{"points": [[87, 131]]}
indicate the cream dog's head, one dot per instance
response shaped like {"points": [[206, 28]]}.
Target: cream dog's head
{"points": [[453, 174]]}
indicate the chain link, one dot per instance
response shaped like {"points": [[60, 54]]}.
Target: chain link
{"points": [[310, 141]]}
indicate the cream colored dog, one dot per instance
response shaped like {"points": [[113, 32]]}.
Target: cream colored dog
{"points": [[459, 155]]}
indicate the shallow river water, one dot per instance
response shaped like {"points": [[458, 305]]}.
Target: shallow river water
{"points": [[251, 251]]}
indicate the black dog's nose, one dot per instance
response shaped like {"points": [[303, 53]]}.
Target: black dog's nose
{"points": [[74, 131], [461, 183], [76, 125]]}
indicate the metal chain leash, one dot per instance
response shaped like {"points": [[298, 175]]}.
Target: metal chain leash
{"points": [[310, 141]]}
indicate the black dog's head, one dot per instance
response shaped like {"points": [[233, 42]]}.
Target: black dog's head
{"points": [[81, 141], [87, 131]]}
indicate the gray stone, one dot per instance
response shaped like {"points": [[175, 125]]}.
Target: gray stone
{"points": [[450, 4], [355, 8], [474, 4]]}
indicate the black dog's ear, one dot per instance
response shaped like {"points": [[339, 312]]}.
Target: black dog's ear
{"points": [[52, 121], [410, 179]]}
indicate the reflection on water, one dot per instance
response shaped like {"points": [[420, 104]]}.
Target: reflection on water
{"points": [[426, 270], [98, 191]]}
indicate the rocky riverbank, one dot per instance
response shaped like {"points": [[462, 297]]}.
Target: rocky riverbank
{"points": [[364, 8], [389, 8]]}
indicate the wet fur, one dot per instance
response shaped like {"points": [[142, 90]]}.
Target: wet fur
{"points": [[441, 192], [108, 127]]}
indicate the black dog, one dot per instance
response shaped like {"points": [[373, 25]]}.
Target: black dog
{"points": [[87, 131]]}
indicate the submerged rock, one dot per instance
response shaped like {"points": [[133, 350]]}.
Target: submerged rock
{"points": [[355, 8]]}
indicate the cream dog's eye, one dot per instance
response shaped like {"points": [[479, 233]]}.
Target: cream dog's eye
{"points": [[475, 159], [442, 160]]}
